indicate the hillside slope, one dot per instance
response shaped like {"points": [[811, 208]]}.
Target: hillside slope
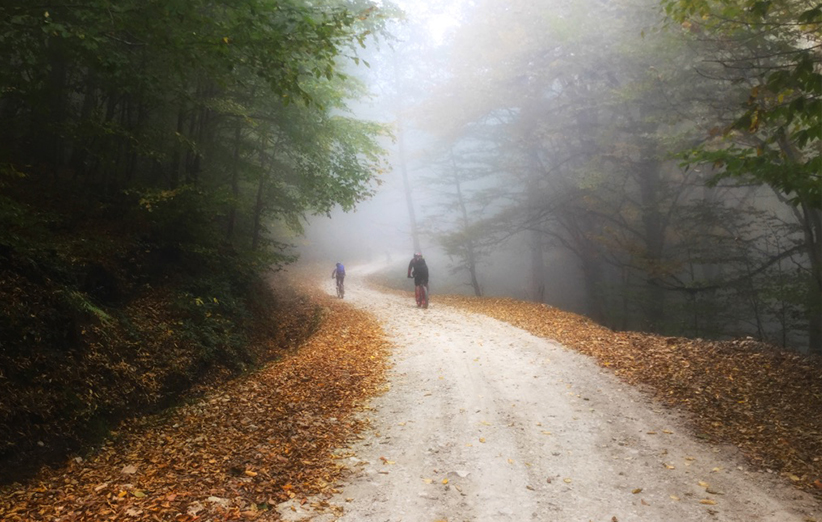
{"points": [[109, 309]]}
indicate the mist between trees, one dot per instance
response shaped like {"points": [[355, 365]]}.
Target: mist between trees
{"points": [[655, 166], [659, 162]]}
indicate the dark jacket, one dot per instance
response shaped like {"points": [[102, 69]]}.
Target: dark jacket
{"points": [[419, 270]]}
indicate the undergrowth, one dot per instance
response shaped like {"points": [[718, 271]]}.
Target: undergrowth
{"points": [[111, 308]]}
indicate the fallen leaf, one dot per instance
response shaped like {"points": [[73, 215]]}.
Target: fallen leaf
{"points": [[637, 490], [708, 501], [482, 439], [567, 481], [693, 374]]}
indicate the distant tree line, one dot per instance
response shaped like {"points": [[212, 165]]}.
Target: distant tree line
{"points": [[673, 149]]}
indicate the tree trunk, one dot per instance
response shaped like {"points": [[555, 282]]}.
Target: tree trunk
{"points": [[235, 186], [258, 204], [654, 235], [412, 218], [258, 213], [79, 151], [812, 226], [537, 283], [55, 100], [470, 250], [592, 274], [176, 160]]}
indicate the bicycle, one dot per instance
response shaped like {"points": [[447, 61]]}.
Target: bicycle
{"points": [[421, 294], [340, 288]]}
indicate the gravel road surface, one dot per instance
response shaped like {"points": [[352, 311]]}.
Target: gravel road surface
{"points": [[485, 422]]}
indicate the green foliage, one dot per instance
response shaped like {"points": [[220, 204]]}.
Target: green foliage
{"points": [[149, 95], [151, 150], [775, 138], [214, 323], [584, 126]]}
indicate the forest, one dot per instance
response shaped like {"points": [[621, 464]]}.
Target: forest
{"points": [[663, 156], [160, 158], [151, 152]]}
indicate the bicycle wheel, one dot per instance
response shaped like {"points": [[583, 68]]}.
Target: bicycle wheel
{"points": [[424, 292]]}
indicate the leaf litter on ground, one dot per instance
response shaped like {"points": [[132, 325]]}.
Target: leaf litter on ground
{"points": [[764, 400], [248, 445]]}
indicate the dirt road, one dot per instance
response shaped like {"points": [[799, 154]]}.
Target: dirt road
{"points": [[485, 422]]}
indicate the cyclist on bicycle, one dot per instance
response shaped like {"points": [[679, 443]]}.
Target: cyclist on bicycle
{"points": [[339, 273], [418, 269]]}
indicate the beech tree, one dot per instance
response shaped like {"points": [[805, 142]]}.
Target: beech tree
{"points": [[176, 103], [775, 135], [588, 110]]}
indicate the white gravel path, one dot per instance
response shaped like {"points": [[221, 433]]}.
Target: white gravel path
{"points": [[485, 422]]}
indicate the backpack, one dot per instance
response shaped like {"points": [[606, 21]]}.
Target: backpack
{"points": [[340, 269]]}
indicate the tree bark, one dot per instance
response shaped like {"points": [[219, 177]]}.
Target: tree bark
{"points": [[470, 251], [409, 201], [812, 226], [537, 283], [653, 224], [235, 186], [258, 204], [175, 163]]}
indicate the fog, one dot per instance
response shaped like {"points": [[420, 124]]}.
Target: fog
{"points": [[379, 229], [540, 146]]}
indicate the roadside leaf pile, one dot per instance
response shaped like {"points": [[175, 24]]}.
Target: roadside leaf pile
{"points": [[765, 401], [251, 444]]}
